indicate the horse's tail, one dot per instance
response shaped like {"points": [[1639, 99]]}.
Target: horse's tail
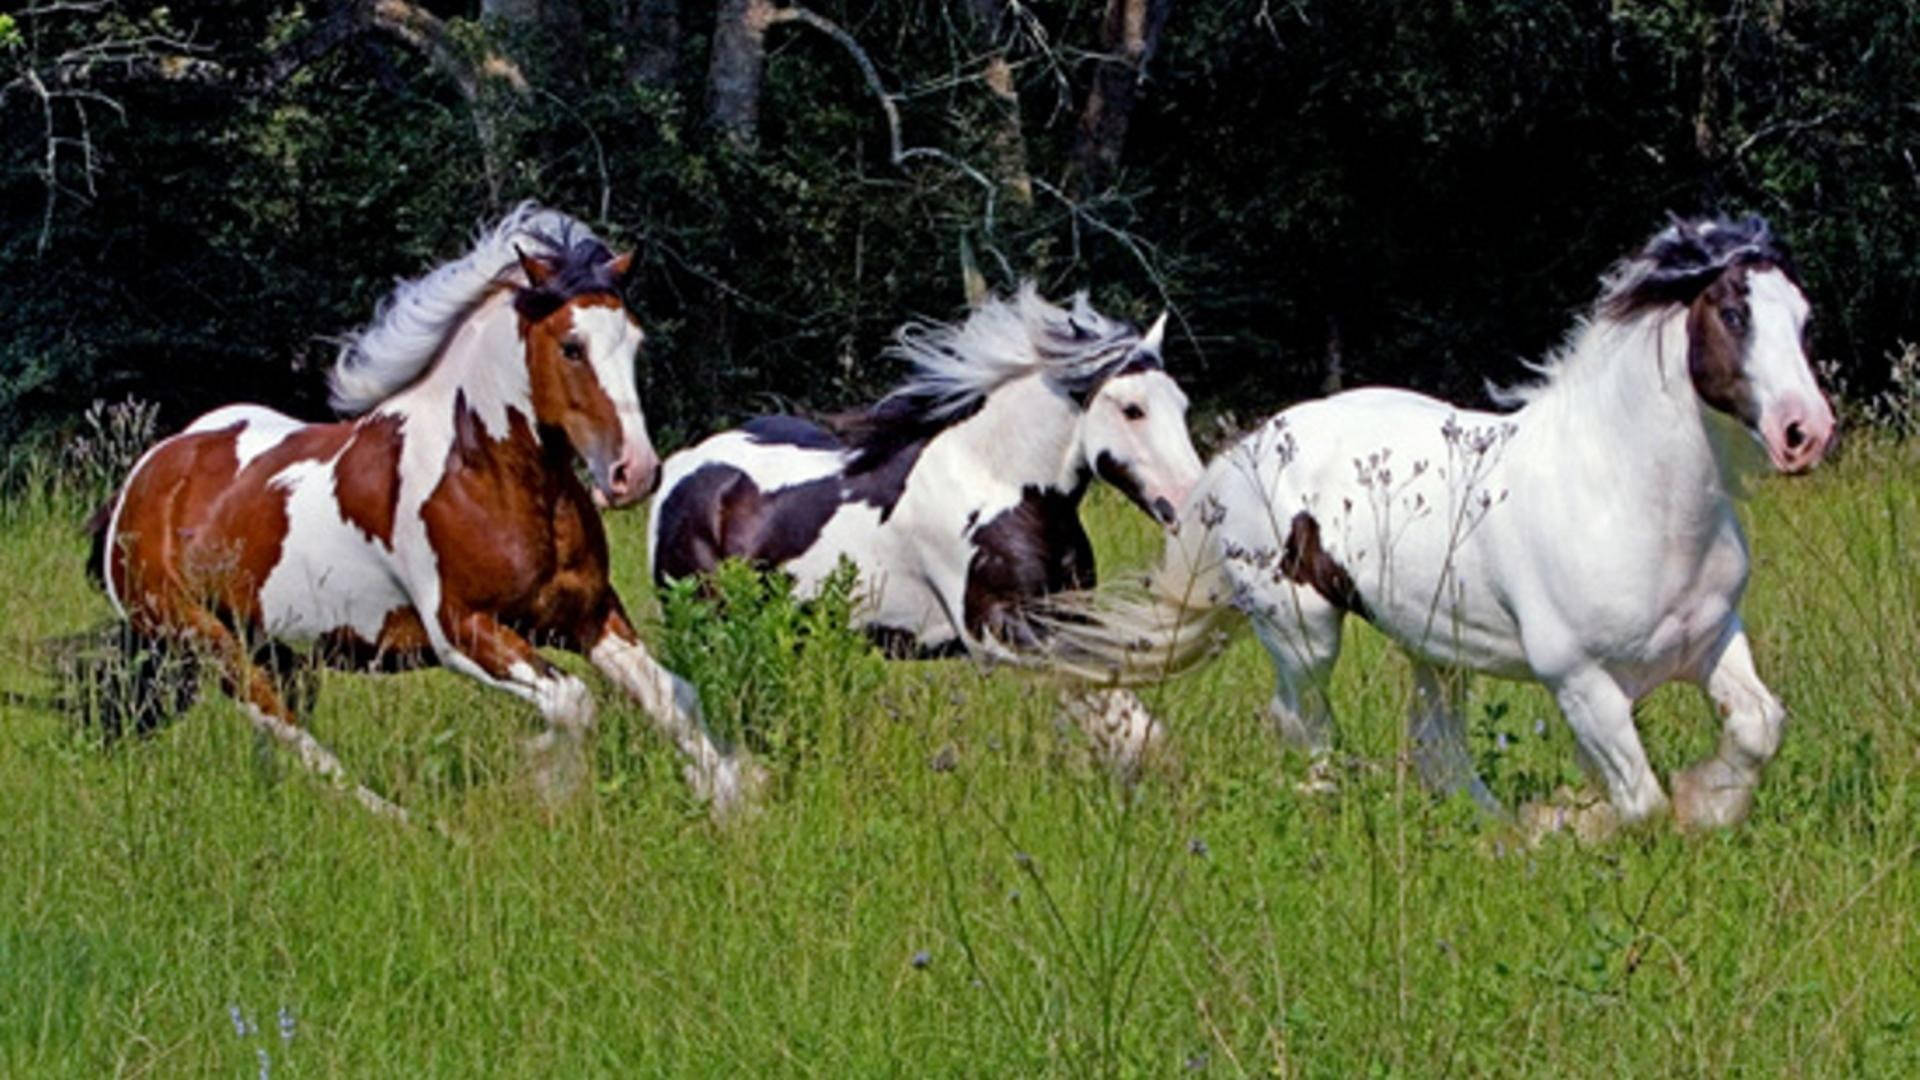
{"points": [[114, 677], [1146, 629], [96, 530]]}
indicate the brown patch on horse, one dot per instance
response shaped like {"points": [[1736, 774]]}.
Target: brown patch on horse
{"points": [[165, 503], [719, 513], [1305, 562], [1033, 548], [517, 537], [565, 388], [366, 478], [1718, 322]]}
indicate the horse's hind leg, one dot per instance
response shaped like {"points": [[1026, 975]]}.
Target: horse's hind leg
{"points": [[1437, 735], [1718, 791], [729, 780], [1301, 632], [260, 699]]}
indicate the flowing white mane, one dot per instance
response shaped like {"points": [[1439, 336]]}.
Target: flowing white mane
{"points": [[956, 365], [412, 323], [1668, 272]]}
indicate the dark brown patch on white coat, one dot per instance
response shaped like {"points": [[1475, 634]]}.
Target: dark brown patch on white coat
{"points": [[1035, 547], [1718, 323], [1305, 562]]}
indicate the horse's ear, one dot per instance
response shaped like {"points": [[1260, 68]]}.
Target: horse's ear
{"points": [[1155, 334], [537, 270], [618, 266]]}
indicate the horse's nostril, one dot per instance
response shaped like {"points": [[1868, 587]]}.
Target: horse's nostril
{"points": [[618, 481], [1796, 435]]}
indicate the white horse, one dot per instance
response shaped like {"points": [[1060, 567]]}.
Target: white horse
{"points": [[1587, 540]]}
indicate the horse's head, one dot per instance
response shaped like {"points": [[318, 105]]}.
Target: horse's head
{"points": [[1746, 322], [1134, 431], [1746, 350], [580, 350]]}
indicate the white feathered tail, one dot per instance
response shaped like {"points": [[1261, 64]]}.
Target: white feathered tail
{"points": [[1137, 630]]}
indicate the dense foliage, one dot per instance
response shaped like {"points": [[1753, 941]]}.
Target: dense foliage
{"points": [[193, 198]]}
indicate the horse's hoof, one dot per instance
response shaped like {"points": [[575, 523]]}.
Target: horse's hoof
{"points": [[1711, 795], [557, 763], [731, 788], [1588, 817], [1322, 779]]}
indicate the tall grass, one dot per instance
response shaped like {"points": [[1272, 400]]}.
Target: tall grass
{"points": [[946, 882]]}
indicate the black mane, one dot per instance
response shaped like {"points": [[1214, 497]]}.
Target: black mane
{"points": [[578, 268], [1686, 257]]}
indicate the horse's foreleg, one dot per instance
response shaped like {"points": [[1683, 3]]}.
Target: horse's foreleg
{"points": [[1719, 790], [254, 689], [730, 781], [479, 645], [1601, 716], [1437, 735]]}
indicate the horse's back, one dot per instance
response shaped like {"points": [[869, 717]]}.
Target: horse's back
{"points": [[760, 492], [210, 514]]}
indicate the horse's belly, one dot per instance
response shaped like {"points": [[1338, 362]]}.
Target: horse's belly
{"points": [[896, 590], [330, 575]]}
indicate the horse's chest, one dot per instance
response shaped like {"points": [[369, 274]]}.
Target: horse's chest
{"points": [[1035, 547]]}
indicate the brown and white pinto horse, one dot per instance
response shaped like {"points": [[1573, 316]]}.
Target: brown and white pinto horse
{"points": [[444, 522]]}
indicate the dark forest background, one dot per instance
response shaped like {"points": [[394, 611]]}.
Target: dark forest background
{"points": [[195, 197]]}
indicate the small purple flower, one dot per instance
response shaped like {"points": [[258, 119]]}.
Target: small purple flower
{"points": [[1539, 727], [286, 1024], [1197, 846], [922, 958], [242, 1027], [1501, 742]]}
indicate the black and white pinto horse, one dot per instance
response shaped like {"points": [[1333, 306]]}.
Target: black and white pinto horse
{"points": [[957, 495], [1586, 540]]}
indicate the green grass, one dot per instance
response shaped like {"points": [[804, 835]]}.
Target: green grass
{"points": [[1016, 913]]}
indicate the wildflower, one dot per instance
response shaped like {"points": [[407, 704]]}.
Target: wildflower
{"points": [[922, 958], [286, 1024], [1197, 846]]}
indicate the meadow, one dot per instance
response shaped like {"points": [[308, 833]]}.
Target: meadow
{"points": [[943, 881]]}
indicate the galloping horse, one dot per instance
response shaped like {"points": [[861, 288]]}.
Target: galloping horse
{"points": [[958, 494], [444, 522], [1587, 540]]}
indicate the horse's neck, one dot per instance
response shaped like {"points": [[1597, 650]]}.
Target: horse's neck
{"points": [[481, 372], [475, 402], [1026, 434], [1630, 409]]}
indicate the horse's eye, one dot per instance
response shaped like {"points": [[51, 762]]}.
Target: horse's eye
{"points": [[1132, 412], [1734, 318], [573, 351]]}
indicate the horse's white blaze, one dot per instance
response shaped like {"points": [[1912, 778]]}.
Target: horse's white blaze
{"points": [[613, 341], [1785, 393], [1152, 443]]}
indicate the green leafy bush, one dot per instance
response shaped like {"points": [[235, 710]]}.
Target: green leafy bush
{"points": [[783, 674]]}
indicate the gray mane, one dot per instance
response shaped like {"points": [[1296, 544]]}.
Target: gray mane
{"points": [[410, 325]]}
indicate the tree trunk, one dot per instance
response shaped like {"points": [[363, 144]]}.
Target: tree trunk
{"points": [[555, 32], [1006, 142], [653, 26], [1129, 33], [737, 69]]}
